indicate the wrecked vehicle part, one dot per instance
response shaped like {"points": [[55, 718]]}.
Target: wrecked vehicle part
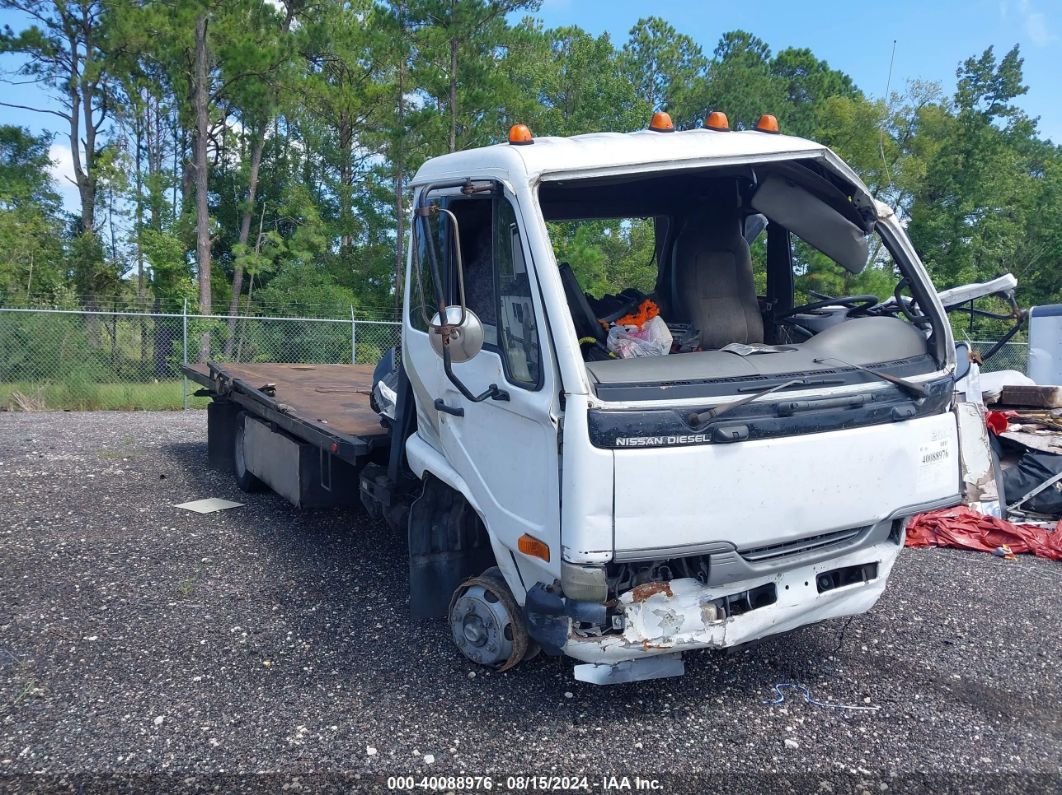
{"points": [[761, 592], [695, 615], [976, 459], [659, 667]]}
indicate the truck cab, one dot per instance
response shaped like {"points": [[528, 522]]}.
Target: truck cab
{"points": [[755, 478]]}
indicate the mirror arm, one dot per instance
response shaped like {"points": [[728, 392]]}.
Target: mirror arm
{"points": [[456, 231], [422, 212], [492, 392]]}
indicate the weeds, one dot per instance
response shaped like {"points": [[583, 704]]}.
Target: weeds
{"points": [[82, 395], [187, 585]]}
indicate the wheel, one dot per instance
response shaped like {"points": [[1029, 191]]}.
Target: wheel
{"points": [[244, 478], [533, 647], [487, 624]]}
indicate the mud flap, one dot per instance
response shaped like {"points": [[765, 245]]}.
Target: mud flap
{"points": [[447, 544], [221, 432]]}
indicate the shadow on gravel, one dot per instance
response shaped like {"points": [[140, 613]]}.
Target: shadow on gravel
{"points": [[344, 577]]}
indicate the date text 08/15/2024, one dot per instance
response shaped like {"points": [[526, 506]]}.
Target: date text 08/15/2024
{"points": [[469, 783]]}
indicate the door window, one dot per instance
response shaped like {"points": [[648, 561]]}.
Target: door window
{"points": [[518, 330], [496, 278]]}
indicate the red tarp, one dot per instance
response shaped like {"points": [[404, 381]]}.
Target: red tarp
{"points": [[964, 528]]}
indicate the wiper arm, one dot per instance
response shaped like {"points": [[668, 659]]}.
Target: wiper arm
{"points": [[910, 387], [698, 418]]}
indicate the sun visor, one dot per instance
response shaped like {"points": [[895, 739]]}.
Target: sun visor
{"points": [[813, 221]]}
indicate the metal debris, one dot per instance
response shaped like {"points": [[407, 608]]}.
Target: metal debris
{"points": [[209, 505]]}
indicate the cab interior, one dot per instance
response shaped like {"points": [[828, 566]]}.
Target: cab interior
{"points": [[705, 225]]}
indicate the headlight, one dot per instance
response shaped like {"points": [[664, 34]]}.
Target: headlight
{"points": [[584, 583]]}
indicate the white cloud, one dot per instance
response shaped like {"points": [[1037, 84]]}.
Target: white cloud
{"points": [[1034, 21], [62, 173]]}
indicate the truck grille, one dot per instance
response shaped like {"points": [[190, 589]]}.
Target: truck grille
{"points": [[838, 538]]}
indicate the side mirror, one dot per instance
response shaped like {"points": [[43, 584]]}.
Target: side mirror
{"points": [[962, 360], [466, 336]]}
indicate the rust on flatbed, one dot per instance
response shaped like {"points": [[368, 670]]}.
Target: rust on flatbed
{"points": [[335, 396]]}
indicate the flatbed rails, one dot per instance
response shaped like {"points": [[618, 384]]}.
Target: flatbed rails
{"points": [[326, 405]]}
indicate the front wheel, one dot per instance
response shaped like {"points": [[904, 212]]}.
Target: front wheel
{"points": [[487, 624]]}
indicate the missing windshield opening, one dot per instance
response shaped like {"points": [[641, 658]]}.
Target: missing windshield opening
{"points": [[685, 278]]}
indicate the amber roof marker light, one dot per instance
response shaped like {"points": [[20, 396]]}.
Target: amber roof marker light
{"points": [[661, 122], [520, 135], [717, 121], [768, 124]]}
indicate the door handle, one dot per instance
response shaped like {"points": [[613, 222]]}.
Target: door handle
{"points": [[440, 405]]}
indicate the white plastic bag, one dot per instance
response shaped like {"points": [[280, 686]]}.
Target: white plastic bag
{"points": [[652, 339]]}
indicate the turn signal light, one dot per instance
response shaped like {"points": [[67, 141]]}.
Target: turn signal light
{"points": [[661, 122], [532, 547], [767, 123], [520, 135], [717, 120]]}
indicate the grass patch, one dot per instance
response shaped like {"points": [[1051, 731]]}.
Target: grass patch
{"points": [[77, 395]]}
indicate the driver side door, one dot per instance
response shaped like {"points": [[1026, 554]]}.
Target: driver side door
{"points": [[505, 450]]}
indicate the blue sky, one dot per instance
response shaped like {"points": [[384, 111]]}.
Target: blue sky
{"points": [[932, 38]]}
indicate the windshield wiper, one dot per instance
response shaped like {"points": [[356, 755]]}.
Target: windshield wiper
{"points": [[697, 418], [910, 387]]}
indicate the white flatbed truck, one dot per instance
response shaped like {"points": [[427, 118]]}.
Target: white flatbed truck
{"points": [[623, 511]]}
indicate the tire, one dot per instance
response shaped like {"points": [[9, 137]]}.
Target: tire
{"points": [[245, 480], [487, 624], [533, 647]]}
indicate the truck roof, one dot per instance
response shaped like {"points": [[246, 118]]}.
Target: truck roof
{"points": [[603, 153]]}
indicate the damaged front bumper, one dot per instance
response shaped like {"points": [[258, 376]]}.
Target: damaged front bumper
{"points": [[679, 615]]}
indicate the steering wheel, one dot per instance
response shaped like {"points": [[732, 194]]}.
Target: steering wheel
{"points": [[918, 320], [858, 305]]}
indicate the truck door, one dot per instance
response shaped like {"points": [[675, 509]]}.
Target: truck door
{"points": [[505, 450]]}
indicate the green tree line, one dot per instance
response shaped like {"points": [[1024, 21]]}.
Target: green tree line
{"points": [[243, 154]]}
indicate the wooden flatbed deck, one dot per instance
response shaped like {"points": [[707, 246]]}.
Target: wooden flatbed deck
{"points": [[330, 400]]}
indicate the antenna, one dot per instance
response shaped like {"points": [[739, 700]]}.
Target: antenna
{"points": [[881, 139]]}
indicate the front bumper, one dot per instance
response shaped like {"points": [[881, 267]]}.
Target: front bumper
{"points": [[681, 615]]}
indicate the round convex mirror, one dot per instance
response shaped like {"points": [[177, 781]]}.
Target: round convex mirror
{"points": [[466, 340]]}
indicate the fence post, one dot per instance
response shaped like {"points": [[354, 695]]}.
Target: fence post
{"points": [[184, 354], [353, 338]]}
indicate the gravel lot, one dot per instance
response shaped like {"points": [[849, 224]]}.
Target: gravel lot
{"points": [[138, 638]]}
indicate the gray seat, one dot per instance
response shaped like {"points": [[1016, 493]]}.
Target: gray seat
{"points": [[711, 277]]}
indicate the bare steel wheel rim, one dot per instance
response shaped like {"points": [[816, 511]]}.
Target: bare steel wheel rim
{"points": [[482, 626]]}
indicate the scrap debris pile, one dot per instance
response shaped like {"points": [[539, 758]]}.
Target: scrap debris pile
{"points": [[964, 528], [1023, 423]]}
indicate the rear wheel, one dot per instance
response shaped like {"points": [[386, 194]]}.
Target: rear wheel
{"points": [[244, 478], [487, 624]]}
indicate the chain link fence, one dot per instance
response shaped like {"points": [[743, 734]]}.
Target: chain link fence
{"points": [[1012, 356], [80, 359], [114, 359]]}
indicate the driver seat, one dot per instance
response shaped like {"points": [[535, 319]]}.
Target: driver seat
{"points": [[711, 276], [586, 324]]}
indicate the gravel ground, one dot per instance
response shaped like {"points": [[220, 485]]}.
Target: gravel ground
{"points": [[136, 638]]}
